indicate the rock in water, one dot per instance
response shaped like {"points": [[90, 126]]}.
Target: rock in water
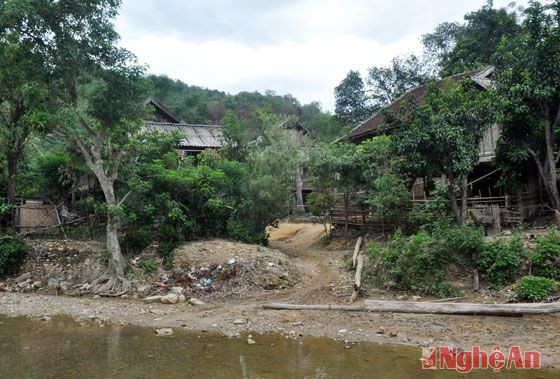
{"points": [[152, 299], [195, 301], [251, 341], [164, 332], [172, 298]]}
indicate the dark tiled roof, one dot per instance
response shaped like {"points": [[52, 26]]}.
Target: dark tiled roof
{"points": [[195, 135], [370, 127]]}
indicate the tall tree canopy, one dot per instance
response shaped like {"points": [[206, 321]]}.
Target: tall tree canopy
{"points": [[459, 47], [99, 97], [24, 98], [387, 83], [528, 81], [351, 103]]}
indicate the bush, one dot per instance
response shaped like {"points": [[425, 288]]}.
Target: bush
{"points": [[535, 288], [500, 260], [136, 240], [545, 259], [12, 253], [148, 266], [436, 209], [389, 199], [417, 263]]}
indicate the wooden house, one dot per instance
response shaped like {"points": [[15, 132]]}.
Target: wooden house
{"points": [[486, 200], [196, 137]]}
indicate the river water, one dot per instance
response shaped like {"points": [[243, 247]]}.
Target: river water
{"points": [[61, 348]]}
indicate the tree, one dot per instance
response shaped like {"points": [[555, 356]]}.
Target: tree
{"points": [[528, 81], [24, 98], [386, 84], [462, 47], [350, 99], [441, 135], [99, 95]]}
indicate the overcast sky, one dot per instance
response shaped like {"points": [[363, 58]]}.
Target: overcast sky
{"points": [[301, 47]]}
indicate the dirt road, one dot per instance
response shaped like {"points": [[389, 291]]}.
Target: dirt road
{"points": [[327, 282]]}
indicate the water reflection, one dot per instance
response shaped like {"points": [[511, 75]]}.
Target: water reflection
{"points": [[62, 348]]}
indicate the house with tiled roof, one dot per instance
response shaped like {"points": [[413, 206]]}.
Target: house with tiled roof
{"points": [[195, 137]]}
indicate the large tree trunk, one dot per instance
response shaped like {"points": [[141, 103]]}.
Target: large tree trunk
{"points": [[12, 161], [464, 195], [459, 210], [117, 263], [547, 170]]}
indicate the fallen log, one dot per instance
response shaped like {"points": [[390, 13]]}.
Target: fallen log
{"points": [[315, 307], [356, 251], [430, 308], [358, 276]]}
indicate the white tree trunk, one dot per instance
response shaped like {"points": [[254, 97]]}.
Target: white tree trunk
{"points": [[117, 261]]}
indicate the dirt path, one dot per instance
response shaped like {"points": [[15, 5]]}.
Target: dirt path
{"points": [[327, 282]]}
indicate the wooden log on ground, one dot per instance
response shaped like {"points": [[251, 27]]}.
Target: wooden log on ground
{"points": [[358, 276], [462, 308], [431, 308], [356, 251], [315, 307]]}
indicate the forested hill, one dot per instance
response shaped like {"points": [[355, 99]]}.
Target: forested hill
{"points": [[206, 106]]}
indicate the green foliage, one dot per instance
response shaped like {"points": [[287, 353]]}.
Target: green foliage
{"points": [[417, 263], [460, 47], [500, 260], [209, 195], [441, 135], [205, 106], [137, 239], [387, 84], [535, 288], [528, 84], [351, 104], [319, 203], [148, 266], [437, 208], [389, 198], [13, 251], [545, 260]]}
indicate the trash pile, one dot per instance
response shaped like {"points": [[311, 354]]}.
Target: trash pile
{"points": [[225, 268]]}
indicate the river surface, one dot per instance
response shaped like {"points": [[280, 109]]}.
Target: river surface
{"points": [[62, 348]]}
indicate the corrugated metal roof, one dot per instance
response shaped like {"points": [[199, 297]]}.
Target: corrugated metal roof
{"points": [[195, 135]]}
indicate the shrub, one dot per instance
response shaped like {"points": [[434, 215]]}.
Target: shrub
{"points": [[390, 198], [535, 288], [545, 259], [436, 209], [500, 260], [417, 263], [12, 253], [135, 240], [148, 266]]}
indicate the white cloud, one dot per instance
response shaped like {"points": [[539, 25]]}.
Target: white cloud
{"points": [[300, 47]]}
